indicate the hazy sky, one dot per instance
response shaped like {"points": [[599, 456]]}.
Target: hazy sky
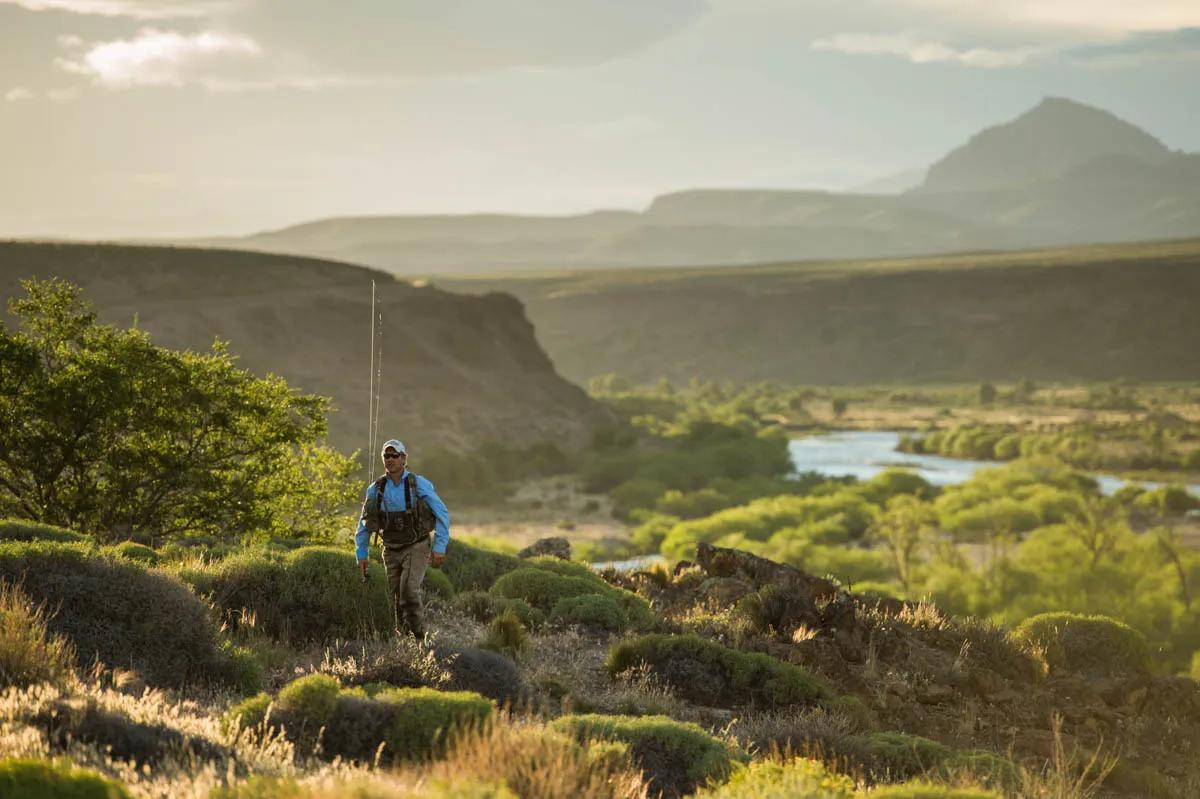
{"points": [[191, 117]]}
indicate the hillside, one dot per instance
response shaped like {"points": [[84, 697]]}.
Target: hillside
{"points": [[1091, 313], [457, 370], [621, 685], [1062, 173]]}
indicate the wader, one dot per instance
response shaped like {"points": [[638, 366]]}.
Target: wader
{"points": [[405, 573]]}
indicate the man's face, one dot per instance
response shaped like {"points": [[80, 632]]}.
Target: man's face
{"points": [[394, 462]]}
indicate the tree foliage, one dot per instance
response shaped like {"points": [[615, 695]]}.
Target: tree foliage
{"points": [[102, 430]]}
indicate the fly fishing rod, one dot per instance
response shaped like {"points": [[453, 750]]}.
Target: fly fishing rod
{"points": [[374, 383]]}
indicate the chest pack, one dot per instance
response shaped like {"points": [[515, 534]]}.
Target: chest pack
{"points": [[401, 528]]}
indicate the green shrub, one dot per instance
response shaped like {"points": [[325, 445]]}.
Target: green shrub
{"points": [[987, 768], [247, 713], [115, 610], [472, 568], [140, 553], [422, 717], [675, 756], [40, 779], [543, 589], [567, 568], [927, 790], [590, 610], [23, 530], [1094, 645], [772, 779], [308, 594], [505, 634], [707, 673], [900, 755], [29, 652], [482, 606], [860, 717], [242, 670], [438, 584], [410, 722], [311, 699]]}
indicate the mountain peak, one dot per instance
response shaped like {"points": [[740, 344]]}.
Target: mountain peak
{"points": [[1050, 139]]}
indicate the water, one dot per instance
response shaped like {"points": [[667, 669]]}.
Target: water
{"points": [[866, 453]]}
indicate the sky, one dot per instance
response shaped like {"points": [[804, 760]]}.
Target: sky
{"points": [[181, 118]]}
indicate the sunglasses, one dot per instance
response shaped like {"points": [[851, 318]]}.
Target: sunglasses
{"points": [[390, 455]]}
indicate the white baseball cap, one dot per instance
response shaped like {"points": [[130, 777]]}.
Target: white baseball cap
{"points": [[395, 444]]}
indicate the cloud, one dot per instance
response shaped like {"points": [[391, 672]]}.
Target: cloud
{"points": [[63, 95], [1140, 49], [138, 9], [17, 94], [1112, 17], [920, 51], [160, 58], [315, 43]]}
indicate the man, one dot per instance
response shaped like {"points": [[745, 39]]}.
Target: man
{"points": [[400, 520]]}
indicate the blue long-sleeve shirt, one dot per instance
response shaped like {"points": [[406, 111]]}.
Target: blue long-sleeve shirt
{"points": [[393, 500]]}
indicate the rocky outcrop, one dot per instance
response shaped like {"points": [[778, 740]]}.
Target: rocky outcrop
{"points": [[457, 370], [963, 682], [555, 547]]}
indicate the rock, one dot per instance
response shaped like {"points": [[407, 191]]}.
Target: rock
{"points": [[484, 672], [554, 546], [724, 590], [934, 694]]}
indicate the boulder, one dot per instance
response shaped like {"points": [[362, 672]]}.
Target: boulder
{"points": [[554, 546]]}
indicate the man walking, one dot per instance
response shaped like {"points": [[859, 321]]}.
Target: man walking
{"points": [[403, 508]]}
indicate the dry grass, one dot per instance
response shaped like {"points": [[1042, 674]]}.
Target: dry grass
{"points": [[537, 763], [29, 653], [1068, 774]]}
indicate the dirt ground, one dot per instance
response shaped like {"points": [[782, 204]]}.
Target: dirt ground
{"points": [[542, 508]]}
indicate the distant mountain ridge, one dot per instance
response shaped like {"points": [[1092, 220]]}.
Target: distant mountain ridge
{"points": [[1062, 173], [1044, 143]]}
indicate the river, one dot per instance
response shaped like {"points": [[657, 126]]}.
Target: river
{"points": [[866, 453]]}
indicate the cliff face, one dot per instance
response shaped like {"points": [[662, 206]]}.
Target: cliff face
{"points": [[457, 370]]}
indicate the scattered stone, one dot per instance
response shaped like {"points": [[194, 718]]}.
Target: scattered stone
{"points": [[555, 546]]}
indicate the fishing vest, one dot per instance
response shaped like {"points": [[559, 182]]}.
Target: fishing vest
{"points": [[399, 528]]}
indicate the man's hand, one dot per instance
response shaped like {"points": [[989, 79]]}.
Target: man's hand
{"points": [[437, 559], [362, 568]]}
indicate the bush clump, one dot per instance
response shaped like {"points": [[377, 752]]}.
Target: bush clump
{"points": [[22, 778], [708, 673], [410, 723], [590, 610], [139, 553], [482, 606], [675, 756], [1093, 645], [899, 755], [23, 530], [471, 568], [776, 779], [307, 594], [438, 584], [506, 634], [29, 653], [987, 768], [117, 611], [543, 589]]}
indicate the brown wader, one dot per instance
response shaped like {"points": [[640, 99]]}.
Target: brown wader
{"points": [[405, 572]]}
